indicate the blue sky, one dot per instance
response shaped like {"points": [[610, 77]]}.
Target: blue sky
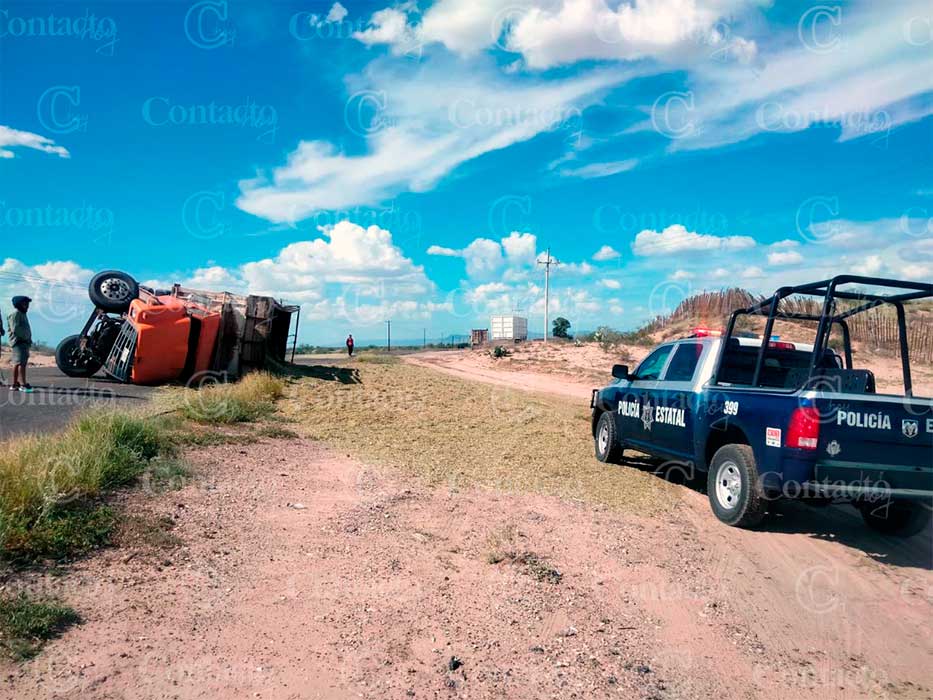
{"points": [[412, 161]]}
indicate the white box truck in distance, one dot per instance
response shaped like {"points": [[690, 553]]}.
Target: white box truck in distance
{"points": [[508, 328]]}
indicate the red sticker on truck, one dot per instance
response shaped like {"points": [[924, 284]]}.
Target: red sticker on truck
{"points": [[773, 437]]}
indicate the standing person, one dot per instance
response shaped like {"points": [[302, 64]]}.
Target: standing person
{"points": [[350, 345], [20, 342]]}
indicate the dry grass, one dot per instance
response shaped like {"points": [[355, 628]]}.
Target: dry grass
{"points": [[249, 399], [456, 432]]}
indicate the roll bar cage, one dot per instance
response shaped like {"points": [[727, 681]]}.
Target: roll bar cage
{"points": [[830, 292]]}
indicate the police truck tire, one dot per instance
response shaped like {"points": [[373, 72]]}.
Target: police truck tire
{"points": [[608, 446], [733, 487], [113, 291], [897, 518], [72, 362]]}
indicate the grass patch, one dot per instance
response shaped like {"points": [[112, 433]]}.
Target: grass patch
{"points": [[27, 623], [276, 432], [66, 530], [456, 432], [377, 359], [166, 474], [46, 481], [250, 399], [503, 546], [148, 531]]}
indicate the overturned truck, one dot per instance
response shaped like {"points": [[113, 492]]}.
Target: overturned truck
{"points": [[141, 335]]}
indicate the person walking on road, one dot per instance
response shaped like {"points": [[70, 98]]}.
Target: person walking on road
{"points": [[20, 342], [350, 345]]}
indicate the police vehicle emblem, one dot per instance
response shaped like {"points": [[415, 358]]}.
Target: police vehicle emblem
{"points": [[647, 416], [833, 448], [910, 428]]}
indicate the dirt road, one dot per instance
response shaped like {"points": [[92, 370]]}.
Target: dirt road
{"points": [[300, 572]]}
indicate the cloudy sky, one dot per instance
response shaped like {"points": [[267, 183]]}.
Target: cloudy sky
{"points": [[413, 160]]}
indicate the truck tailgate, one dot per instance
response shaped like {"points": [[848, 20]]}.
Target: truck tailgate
{"points": [[884, 442]]}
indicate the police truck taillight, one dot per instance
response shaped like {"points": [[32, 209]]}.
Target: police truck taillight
{"points": [[803, 432]]}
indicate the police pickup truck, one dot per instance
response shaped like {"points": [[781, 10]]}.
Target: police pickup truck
{"points": [[775, 419]]}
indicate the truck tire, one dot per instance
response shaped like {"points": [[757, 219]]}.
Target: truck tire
{"points": [[897, 518], [733, 487], [72, 361], [113, 291], [608, 446]]}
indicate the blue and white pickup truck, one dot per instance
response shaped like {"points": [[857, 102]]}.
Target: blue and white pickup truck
{"points": [[775, 419]]}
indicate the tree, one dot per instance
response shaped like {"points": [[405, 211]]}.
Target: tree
{"points": [[560, 327]]}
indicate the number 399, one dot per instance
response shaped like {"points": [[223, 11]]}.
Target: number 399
{"points": [[731, 408]]}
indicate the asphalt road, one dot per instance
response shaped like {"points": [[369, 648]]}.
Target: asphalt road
{"points": [[56, 398]]}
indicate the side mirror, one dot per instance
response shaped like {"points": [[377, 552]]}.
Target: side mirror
{"points": [[620, 371]]}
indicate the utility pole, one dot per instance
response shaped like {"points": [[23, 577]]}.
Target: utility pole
{"points": [[424, 341], [389, 335], [547, 262]]}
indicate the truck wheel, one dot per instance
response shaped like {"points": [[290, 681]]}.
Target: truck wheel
{"points": [[733, 487], [74, 362], [898, 518], [113, 291], [608, 447]]}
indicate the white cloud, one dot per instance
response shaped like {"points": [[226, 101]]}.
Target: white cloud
{"points": [[553, 34], [364, 259], [446, 252], [12, 138], [595, 170], [428, 123], [58, 289], [337, 13], [483, 257], [677, 239], [355, 274], [512, 257], [786, 257], [682, 275], [606, 253], [610, 284], [520, 248], [868, 81], [870, 265], [549, 33], [388, 26]]}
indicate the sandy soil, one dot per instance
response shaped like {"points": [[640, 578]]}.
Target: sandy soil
{"points": [[36, 359], [305, 574], [563, 369], [579, 368]]}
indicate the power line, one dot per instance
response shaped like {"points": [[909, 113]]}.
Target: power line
{"points": [[547, 262]]}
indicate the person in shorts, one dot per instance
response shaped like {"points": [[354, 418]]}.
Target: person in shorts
{"points": [[20, 342]]}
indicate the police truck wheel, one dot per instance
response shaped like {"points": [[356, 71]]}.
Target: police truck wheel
{"points": [[733, 487], [898, 518], [608, 446], [73, 361], [113, 291]]}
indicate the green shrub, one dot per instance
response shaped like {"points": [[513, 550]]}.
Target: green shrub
{"points": [[39, 474], [27, 623]]}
